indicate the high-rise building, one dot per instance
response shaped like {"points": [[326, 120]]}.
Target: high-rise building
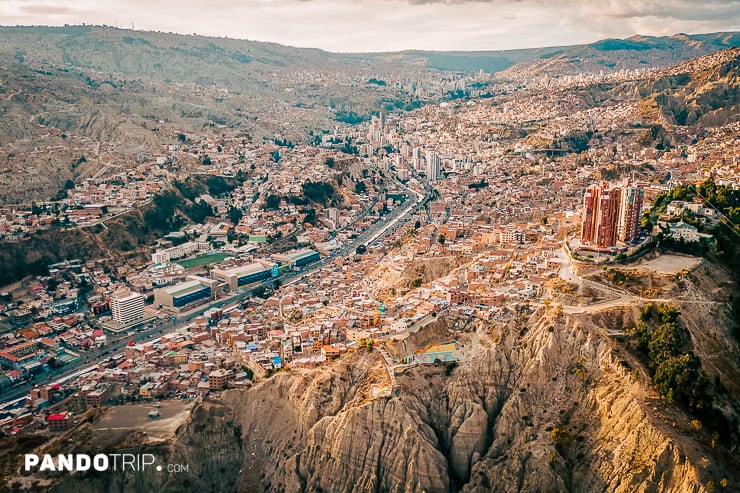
{"points": [[127, 307], [630, 208], [611, 213], [601, 213], [416, 158], [433, 166]]}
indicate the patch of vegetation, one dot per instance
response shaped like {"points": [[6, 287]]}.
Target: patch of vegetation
{"points": [[319, 191], [367, 344], [189, 188], [676, 371], [620, 44], [350, 117], [619, 277], [726, 201], [198, 211], [478, 185], [560, 437]]}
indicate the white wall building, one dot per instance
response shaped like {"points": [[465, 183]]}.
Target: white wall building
{"points": [[433, 166], [127, 307]]}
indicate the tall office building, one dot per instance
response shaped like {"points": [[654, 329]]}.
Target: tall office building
{"points": [[416, 158], [628, 228], [433, 166], [611, 213], [127, 307]]}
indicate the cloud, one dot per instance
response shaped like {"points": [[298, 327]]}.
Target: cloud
{"points": [[390, 25], [48, 10]]}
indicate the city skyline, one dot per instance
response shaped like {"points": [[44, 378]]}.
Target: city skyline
{"points": [[393, 25]]}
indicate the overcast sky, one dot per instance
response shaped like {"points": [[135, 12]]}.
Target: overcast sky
{"points": [[389, 25]]}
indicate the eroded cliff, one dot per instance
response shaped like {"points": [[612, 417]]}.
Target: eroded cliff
{"points": [[556, 403]]}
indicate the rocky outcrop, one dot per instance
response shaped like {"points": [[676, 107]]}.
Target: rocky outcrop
{"points": [[486, 425], [550, 403]]}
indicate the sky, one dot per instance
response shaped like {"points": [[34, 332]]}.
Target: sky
{"points": [[391, 25]]}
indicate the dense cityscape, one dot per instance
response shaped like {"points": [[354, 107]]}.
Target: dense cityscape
{"points": [[424, 236]]}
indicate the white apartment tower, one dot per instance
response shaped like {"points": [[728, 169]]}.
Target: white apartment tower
{"points": [[127, 307], [433, 166], [416, 158], [628, 225]]}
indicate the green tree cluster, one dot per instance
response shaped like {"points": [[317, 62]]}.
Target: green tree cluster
{"points": [[676, 373], [235, 215], [319, 191], [198, 211]]}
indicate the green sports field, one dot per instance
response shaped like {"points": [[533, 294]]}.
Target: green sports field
{"points": [[212, 258]]}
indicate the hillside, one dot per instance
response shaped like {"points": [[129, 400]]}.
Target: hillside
{"points": [[239, 64], [611, 55], [114, 96], [701, 96], [557, 401]]}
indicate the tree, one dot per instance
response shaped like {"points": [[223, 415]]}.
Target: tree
{"points": [[69, 185], [206, 160], [52, 284], [666, 341], [84, 288], [181, 137], [360, 187], [361, 249], [646, 223], [319, 191], [679, 378], [235, 215], [329, 162], [231, 235], [272, 202], [260, 292], [441, 240], [217, 186]]}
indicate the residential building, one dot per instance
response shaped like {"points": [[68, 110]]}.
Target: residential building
{"points": [[433, 166], [179, 251], [127, 307], [512, 236], [630, 209], [217, 379], [60, 421], [610, 214]]}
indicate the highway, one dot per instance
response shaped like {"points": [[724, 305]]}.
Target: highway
{"points": [[90, 358]]}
